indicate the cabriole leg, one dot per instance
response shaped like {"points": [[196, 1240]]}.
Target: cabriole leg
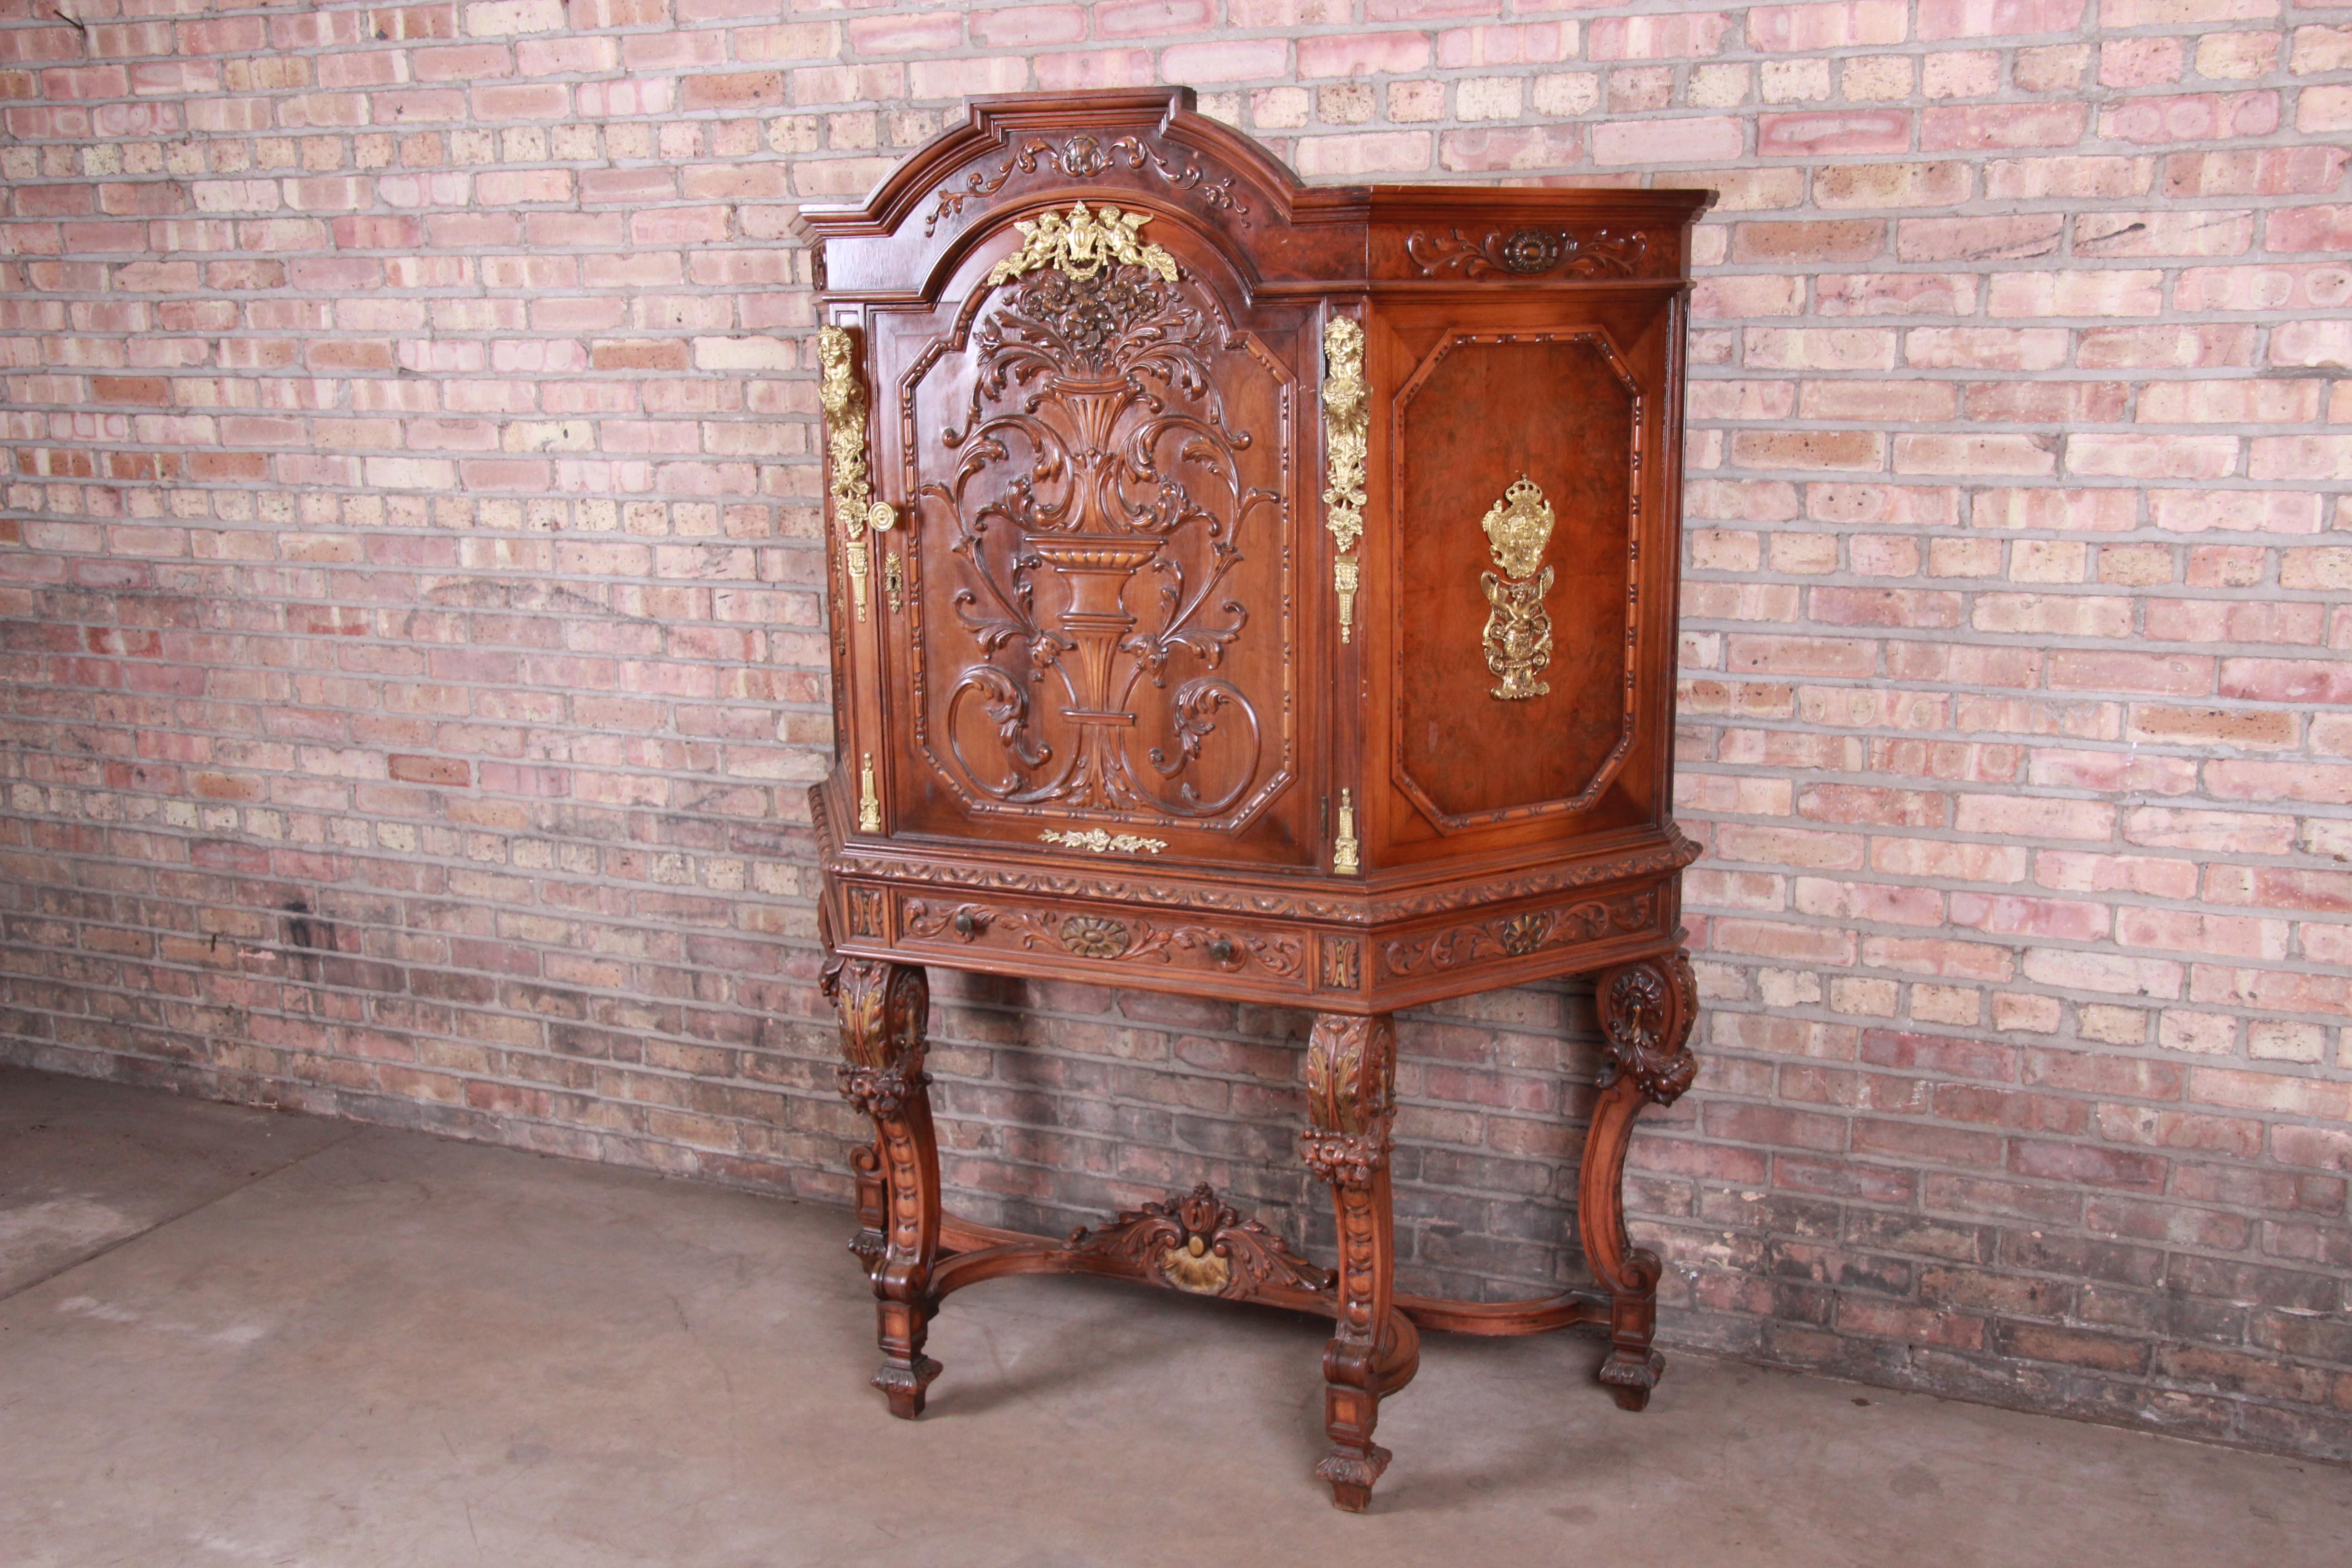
{"points": [[883, 1006], [1646, 1012], [1351, 1085]]}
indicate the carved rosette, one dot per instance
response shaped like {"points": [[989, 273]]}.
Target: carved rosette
{"points": [[1646, 1013]]}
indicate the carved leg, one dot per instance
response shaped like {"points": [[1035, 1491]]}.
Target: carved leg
{"points": [[883, 1006], [1351, 1083], [873, 1206], [1646, 1012]]}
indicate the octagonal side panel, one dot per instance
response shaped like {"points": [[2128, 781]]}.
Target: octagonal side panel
{"points": [[1522, 421]]}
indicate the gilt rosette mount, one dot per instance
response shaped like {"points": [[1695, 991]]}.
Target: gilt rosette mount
{"points": [[1213, 501]]}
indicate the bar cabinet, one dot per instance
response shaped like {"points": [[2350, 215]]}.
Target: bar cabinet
{"points": [[1260, 590]]}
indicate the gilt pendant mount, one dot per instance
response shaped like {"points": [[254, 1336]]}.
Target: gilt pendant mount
{"points": [[1518, 628]]}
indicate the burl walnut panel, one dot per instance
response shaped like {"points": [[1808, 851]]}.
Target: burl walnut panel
{"points": [[1464, 762], [1259, 591]]}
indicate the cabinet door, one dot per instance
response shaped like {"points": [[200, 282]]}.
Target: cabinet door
{"points": [[1101, 647], [1530, 569]]}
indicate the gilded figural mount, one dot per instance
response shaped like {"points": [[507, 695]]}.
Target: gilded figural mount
{"points": [[1519, 630], [1274, 605]]}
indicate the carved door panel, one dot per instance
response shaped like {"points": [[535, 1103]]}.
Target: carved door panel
{"points": [[1096, 443], [1527, 446]]}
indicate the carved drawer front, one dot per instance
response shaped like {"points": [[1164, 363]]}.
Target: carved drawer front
{"points": [[1144, 947], [1501, 941]]}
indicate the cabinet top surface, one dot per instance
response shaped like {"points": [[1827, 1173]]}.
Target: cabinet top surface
{"points": [[1023, 148]]}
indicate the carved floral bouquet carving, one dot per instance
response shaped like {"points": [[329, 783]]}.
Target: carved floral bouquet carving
{"points": [[1097, 449]]}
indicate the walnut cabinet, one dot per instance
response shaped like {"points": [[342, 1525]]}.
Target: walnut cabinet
{"points": [[1260, 590]]}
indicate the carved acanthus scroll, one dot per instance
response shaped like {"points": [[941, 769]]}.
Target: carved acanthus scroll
{"points": [[1097, 449], [1528, 253], [1347, 425], [1083, 157], [1646, 1012], [1198, 1244], [854, 510]]}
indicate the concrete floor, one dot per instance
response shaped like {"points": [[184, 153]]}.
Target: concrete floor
{"points": [[231, 1337]]}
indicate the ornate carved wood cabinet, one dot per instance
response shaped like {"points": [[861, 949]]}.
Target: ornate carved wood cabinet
{"points": [[1256, 590]]}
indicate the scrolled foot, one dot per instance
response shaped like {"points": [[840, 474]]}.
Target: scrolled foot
{"points": [[1351, 1473], [1630, 1374], [903, 1386]]}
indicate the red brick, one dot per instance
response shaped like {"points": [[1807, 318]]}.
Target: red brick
{"points": [[1362, 54], [1991, 125], [1998, 18], [2010, 633], [1821, 132], [742, 89], [1837, 24]]}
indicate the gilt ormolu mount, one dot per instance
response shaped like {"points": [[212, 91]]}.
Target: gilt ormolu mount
{"points": [[1277, 602]]}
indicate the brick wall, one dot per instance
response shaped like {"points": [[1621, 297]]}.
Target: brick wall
{"points": [[412, 662]]}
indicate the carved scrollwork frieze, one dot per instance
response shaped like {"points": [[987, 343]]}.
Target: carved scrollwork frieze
{"points": [[1528, 253], [1109, 938], [1086, 157], [1517, 935], [845, 860]]}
